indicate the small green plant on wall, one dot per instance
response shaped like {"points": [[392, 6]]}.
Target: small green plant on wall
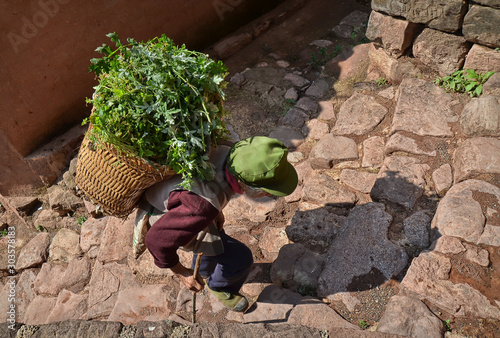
{"points": [[464, 81]]}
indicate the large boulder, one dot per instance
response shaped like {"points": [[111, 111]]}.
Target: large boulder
{"points": [[357, 262]]}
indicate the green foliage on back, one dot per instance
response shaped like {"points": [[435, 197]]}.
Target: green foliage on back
{"points": [[160, 102], [464, 81]]}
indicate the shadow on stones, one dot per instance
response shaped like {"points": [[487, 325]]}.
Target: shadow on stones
{"points": [[358, 247]]}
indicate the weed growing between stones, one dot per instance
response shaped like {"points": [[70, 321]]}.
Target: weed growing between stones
{"points": [[464, 81]]}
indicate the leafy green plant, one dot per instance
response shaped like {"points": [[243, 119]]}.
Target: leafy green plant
{"points": [[464, 81], [3, 233], [80, 220], [160, 102], [363, 325], [447, 324], [382, 82], [40, 228]]}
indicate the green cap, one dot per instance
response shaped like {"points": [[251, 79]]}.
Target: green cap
{"points": [[261, 161]]}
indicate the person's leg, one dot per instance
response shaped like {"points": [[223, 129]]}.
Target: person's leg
{"points": [[228, 271]]}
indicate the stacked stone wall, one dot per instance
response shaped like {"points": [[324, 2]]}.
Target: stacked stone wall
{"points": [[446, 35]]}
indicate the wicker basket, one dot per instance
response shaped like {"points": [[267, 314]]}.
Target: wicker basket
{"points": [[116, 183]]}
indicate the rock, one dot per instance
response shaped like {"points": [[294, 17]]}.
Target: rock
{"points": [[116, 241], [232, 44], [395, 35], [315, 129], [460, 215], [313, 313], [297, 269], [447, 245], [35, 252], [68, 306], [492, 85], [441, 51], [350, 64], [48, 281], [442, 15], [105, 283], [358, 180], [146, 302], [315, 228], [283, 267], [163, 328], [409, 317], [282, 64], [291, 138], [39, 310], [80, 328], [308, 105], [400, 180], [359, 115], [91, 232], [482, 25], [63, 201], [318, 89], [323, 190], [25, 293], [261, 329], [271, 242], [238, 79], [483, 59], [50, 219], [244, 207], [291, 94], [358, 262], [294, 118], [65, 246], [399, 142], [53, 278], [417, 229], [321, 43], [297, 80], [332, 149], [477, 255], [481, 116], [326, 112], [442, 178], [388, 93], [382, 65], [350, 23], [424, 109], [273, 304], [428, 278], [373, 152], [25, 205], [77, 275], [476, 156], [145, 266]]}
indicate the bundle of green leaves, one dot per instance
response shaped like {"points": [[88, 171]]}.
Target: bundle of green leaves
{"points": [[160, 102]]}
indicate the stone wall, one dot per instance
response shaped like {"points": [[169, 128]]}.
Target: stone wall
{"points": [[44, 78], [446, 35]]}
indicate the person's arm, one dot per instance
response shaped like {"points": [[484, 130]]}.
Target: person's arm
{"points": [[188, 214]]}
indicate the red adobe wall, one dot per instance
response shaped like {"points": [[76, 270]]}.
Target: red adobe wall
{"points": [[46, 48]]}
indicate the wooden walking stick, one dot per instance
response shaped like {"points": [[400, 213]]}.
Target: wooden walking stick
{"points": [[193, 300]]}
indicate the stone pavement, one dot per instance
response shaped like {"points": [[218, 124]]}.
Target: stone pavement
{"points": [[395, 224]]}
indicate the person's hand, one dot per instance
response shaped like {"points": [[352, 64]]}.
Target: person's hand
{"points": [[193, 284], [219, 221], [187, 279]]}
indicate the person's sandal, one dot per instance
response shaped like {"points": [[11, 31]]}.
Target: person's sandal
{"points": [[234, 302]]}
